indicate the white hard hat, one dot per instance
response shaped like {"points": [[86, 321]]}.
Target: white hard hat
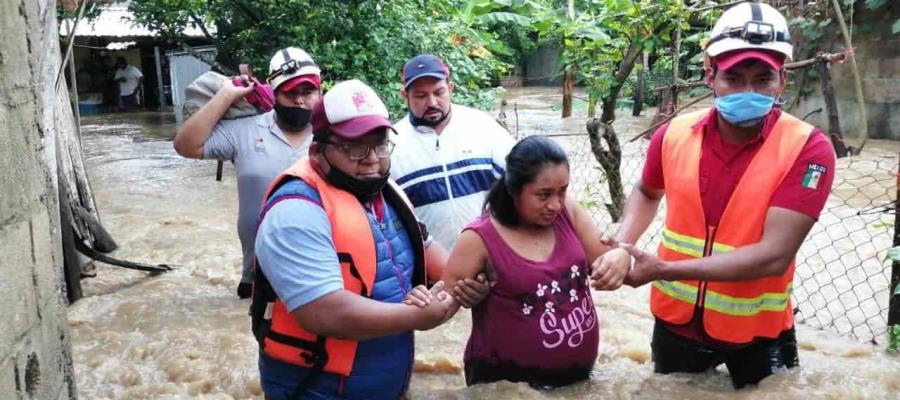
{"points": [[289, 63], [750, 26]]}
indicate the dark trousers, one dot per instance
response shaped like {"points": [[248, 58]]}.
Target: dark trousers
{"points": [[129, 101], [747, 365]]}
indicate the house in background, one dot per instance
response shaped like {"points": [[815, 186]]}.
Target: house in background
{"points": [[114, 33]]}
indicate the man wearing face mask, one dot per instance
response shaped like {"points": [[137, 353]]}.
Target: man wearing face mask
{"points": [[338, 249], [447, 155], [744, 183], [260, 147]]}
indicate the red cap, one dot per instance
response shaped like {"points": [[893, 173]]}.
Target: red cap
{"points": [[294, 82], [727, 60], [349, 129], [350, 110]]}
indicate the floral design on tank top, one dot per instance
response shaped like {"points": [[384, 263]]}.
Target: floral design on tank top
{"points": [[562, 325]]}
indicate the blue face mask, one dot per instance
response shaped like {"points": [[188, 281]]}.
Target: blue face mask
{"points": [[744, 109]]}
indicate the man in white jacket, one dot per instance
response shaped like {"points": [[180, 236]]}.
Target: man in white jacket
{"points": [[447, 156]]}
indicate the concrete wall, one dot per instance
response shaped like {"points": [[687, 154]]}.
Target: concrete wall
{"points": [[35, 356], [878, 58]]}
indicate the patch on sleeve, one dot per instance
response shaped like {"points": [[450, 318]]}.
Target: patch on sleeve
{"points": [[813, 175]]}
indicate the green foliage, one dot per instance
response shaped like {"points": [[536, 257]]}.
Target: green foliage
{"points": [[91, 12], [365, 39], [893, 254], [894, 337], [875, 4], [596, 41]]}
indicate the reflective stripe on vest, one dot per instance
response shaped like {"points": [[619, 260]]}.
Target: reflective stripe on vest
{"points": [[723, 303], [690, 246], [736, 312]]}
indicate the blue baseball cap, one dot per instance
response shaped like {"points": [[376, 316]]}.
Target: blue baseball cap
{"points": [[424, 65]]}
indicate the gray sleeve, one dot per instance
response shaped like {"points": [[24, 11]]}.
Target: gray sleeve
{"points": [[222, 144]]}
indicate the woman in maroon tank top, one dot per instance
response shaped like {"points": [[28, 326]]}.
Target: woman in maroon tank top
{"points": [[538, 324]]}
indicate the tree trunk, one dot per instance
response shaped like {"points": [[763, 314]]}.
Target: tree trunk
{"points": [[834, 122], [568, 90], [608, 114], [638, 98], [863, 133], [592, 106], [568, 80], [610, 159]]}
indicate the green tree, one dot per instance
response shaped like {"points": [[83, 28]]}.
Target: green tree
{"points": [[365, 39], [600, 46]]}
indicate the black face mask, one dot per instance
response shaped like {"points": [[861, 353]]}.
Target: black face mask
{"points": [[294, 118], [417, 121], [364, 189]]}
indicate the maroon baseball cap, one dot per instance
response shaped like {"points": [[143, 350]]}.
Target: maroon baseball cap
{"points": [[350, 110], [299, 80], [727, 60]]}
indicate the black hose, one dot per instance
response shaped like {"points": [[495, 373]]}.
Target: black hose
{"points": [[84, 249], [811, 113]]}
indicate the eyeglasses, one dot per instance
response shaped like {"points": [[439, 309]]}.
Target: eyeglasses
{"points": [[289, 67], [359, 151]]}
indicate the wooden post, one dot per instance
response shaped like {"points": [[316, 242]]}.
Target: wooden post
{"points": [[834, 122], [894, 288], [568, 80], [71, 260], [516, 111], [74, 93], [677, 55], [675, 63], [160, 88]]}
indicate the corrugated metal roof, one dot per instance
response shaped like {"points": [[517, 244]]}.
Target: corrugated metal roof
{"points": [[117, 21]]}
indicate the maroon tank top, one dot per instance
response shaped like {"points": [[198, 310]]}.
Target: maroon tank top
{"points": [[539, 324]]}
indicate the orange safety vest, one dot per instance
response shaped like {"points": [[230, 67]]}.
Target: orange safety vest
{"points": [[740, 311], [277, 331]]}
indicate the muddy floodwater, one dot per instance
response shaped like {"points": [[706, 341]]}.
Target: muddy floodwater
{"points": [[185, 334]]}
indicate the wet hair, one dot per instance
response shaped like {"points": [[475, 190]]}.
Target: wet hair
{"points": [[523, 164]]}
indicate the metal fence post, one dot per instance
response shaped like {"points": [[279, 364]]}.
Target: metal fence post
{"points": [[894, 288]]}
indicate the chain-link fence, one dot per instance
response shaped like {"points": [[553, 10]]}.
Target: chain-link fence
{"points": [[842, 278]]}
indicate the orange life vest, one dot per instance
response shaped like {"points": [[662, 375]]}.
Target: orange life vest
{"points": [[740, 311], [277, 331]]}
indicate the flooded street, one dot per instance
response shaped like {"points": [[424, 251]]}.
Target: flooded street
{"points": [[185, 334]]}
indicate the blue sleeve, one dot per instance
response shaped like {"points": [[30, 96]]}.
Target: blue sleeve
{"points": [[222, 143], [296, 253]]}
